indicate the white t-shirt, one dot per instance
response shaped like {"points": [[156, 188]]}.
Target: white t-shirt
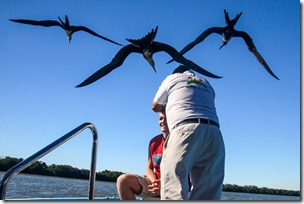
{"points": [[186, 96]]}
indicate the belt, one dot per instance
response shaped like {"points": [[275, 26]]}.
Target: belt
{"points": [[197, 120]]}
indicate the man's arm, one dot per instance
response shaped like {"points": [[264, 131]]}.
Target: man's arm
{"points": [[149, 170], [154, 187], [157, 107]]}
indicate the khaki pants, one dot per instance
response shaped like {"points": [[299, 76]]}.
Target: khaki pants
{"points": [[197, 149]]}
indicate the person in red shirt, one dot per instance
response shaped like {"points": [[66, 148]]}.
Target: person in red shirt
{"points": [[148, 186]]}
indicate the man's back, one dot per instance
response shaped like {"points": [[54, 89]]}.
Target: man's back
{"points": [[188, 97]]}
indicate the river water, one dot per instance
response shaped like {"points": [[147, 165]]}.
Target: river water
{"points": [[34, 186]]}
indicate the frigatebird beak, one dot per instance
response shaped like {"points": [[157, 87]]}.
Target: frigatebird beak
{"points": [[148, 56], [151, 62]]}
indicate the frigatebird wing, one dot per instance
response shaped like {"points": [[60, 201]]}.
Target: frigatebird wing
{"points": [[199, 39], [116, 62], [83, 28], [46, 23], [249, 42], [159, 47]]}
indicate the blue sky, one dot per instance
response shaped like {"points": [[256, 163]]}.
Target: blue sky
{"points": [[259, 115]]}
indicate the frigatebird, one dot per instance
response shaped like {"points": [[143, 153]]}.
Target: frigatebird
{"points": [[146, 46], [228, 32], [69, 29]]}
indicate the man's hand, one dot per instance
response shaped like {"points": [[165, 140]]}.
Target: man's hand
{"points": [[158, 107], [154, 187]]}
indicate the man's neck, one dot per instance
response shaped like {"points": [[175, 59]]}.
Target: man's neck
{"points": [[165, 134]]}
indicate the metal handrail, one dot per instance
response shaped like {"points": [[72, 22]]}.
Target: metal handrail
{"points": [[30, 160]]}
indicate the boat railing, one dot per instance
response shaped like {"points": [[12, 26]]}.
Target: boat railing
{"points": [[30, 160]]}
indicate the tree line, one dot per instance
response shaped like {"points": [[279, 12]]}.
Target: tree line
{"points": [[67, 171], [255, 189]]}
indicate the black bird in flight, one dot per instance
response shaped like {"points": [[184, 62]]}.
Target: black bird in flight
{"points": [[146, 46], [228, 32], [69, 29]]}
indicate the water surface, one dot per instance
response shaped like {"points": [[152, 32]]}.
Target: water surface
{"points": [[34, 186]]}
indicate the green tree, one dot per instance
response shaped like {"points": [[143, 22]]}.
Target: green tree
{"points": [[8, 162], [37, 167]]}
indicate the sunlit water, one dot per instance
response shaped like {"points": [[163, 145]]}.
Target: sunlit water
{"points": [[33, 186]]}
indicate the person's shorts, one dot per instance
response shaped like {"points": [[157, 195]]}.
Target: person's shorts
{"points": [[145, 194]]}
